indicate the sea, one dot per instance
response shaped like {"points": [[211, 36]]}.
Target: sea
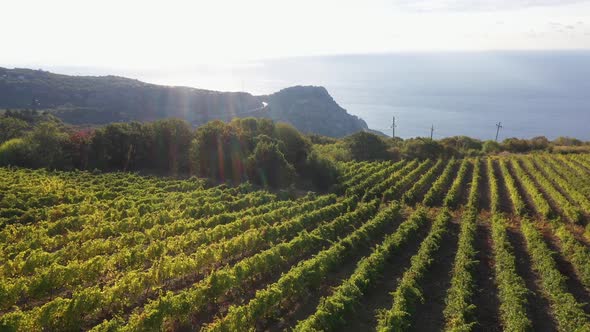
{"points": [[530, 93]]}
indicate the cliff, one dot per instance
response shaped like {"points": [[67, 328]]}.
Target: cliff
{"points": [[98, 100], [312, 110]]}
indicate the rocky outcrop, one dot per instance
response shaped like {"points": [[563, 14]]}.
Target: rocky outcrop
{"points": [[312, 110]]}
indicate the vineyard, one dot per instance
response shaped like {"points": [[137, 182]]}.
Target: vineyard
{"points": [[477, 244]]}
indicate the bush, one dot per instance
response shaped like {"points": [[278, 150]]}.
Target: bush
{"points": [[267, 165], [319, 139], [516, 145], [48, 142], [567, 141], [44, 146], [260, 151], [320, 171], [336, 152], [296, 146], [522, 145], [11, 127], [461, 143], [219, 152], [539, 143], [366, 146], [15, 152], [423, 148], [172, 138], [490, 147]]}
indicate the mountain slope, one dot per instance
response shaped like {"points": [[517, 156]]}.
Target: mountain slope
{"points": [[104, 99]]}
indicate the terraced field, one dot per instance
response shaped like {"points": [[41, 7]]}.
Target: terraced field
{"points": [[498, 243]]}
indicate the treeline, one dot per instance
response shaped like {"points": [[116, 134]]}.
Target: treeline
{"points": [[368, 146], [248, 149], [255, 150]]}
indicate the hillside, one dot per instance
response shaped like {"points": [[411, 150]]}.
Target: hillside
{"points": [[99, 100], [312, 110], [495, 243]]}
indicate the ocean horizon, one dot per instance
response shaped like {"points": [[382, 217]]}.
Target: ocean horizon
{"points": [[532, 93]]}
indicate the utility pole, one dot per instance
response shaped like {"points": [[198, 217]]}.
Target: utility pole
{"points": [[431, 131], [498, 126], [393, 128]]}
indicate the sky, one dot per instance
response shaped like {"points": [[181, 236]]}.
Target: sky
{"points": [[175, 33]]}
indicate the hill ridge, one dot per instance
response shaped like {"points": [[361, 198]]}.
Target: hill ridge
{"points": [[97, 100]]}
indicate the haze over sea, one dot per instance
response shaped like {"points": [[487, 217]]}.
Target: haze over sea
{"points": [[532, 93]]}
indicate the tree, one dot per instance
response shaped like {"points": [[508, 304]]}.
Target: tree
{"points": [[16, 152], [366, 146], [422, 148], [490, 147], [122, 146], [172, 139], [253, 127], [320, 171], [218, 152], [514, 144], [78, 148], [48, 142], [296, 146], [268, 166], [539, 143], [567, 141], [461, 143], [11, 127]]}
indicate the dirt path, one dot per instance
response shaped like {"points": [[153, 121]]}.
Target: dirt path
{"points": [[562, 191], [486, 293], [538, 308], [301, 308], [246, 292], [429, 315], [577, 230], [505, 202], [574, 285], [555, 207], [424, 189], [447, 185], [379, 297], [581, 165], [484, 198], [528, 201]]}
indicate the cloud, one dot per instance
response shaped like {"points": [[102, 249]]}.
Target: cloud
{"points": [[477, 5], [564, 28]]}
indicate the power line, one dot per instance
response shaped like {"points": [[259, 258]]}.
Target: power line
{"points": [[498, 126]]}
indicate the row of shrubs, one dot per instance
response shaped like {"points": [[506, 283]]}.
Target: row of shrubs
{"points": [[368, 146]]}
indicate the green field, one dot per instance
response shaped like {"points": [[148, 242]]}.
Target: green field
{"points": [[491, 243]]}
